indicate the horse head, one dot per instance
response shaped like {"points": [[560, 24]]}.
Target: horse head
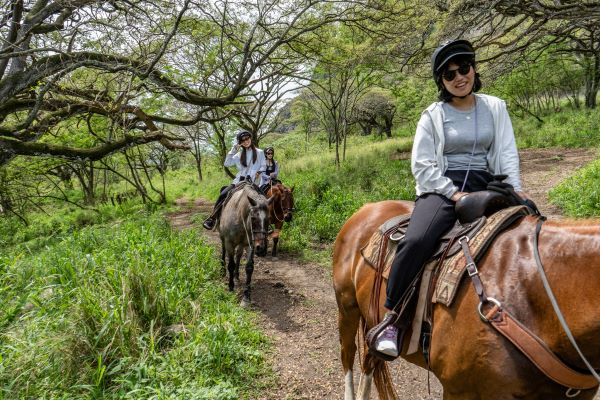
{"points": [[259, 224], [282, 208]]}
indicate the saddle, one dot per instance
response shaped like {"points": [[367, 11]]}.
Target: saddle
{"points": [[444, 270], [238, 186]]}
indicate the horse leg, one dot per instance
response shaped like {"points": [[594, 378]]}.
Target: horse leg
{"points": [[231, 266], [249, 270], [348, 322], [275, 241], [223, 270], [238, 258], [275, 237]]}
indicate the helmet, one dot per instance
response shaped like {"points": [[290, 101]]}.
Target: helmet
{"points": [[446, 51], [242, 135], [270, 149]]}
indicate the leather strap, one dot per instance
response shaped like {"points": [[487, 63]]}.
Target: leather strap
{"points": [[472, 270], [530, 344], [538, 352]]}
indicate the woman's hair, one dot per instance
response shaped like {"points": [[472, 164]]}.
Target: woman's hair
{"points": [[243, 156], [443, 94]]}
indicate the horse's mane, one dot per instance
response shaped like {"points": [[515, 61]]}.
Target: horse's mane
{"points": [[583, 226]]}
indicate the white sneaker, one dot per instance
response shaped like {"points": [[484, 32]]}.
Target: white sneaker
{"points": [[387, 341]]}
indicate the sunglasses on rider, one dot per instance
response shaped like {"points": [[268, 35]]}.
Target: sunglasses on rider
{"points": [[269, 153], [450, 74]]}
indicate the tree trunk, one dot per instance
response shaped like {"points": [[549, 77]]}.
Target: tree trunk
{"points": [[592, 81]]}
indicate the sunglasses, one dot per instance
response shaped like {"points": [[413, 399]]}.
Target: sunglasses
{"points": [[269, 154], [450, 74]]}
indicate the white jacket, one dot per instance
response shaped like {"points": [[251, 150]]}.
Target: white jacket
{"points": [[429, 164], [252, 169]]}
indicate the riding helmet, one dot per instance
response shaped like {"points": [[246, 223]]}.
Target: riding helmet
{"points": [[242, 135]]}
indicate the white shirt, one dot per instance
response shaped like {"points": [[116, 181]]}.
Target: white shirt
{"points": [[252, 169]]}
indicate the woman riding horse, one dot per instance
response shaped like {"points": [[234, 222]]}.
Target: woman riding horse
{"points": [[271, 173], [460, 142], [250, 162]]}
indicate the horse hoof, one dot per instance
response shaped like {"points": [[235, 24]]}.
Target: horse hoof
{"points": [[274, 258], [245, 303]]}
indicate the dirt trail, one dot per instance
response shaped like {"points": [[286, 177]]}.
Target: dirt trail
{"points": [[297, 304]]}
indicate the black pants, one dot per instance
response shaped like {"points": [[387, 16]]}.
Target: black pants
{"points": [[224, 192], [432, 216]]}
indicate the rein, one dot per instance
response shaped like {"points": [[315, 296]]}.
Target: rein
{"points": [[555, 306], [526, 341]]}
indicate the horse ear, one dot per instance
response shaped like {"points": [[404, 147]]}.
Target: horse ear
{"points": [[252, 201], [292, 189]]}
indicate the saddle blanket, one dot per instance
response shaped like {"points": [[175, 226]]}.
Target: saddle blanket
{"points": [[454, 266]]}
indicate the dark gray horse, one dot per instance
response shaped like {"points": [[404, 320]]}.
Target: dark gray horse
{"points": [[243, 224]]}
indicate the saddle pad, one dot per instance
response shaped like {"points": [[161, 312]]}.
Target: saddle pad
{"points": [[453, 268]]}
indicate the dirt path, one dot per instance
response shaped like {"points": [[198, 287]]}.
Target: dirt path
{"points": [[298, 310]]}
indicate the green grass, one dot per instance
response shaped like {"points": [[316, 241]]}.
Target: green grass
{"points": [[579, 196], [569, 128], [124, 310], [326, 195]]}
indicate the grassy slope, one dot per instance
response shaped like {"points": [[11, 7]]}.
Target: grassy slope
{"points": [[127, 309]]}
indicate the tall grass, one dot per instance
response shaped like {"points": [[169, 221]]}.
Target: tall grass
{"points": [[326, 195], [126, 310], [568, 128]]}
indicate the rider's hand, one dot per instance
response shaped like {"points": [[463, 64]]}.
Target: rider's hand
{"points": [[235, 148], [456, 196]]}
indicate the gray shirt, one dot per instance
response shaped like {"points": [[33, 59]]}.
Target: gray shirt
{"points": [[468, 137], [429, 163]]}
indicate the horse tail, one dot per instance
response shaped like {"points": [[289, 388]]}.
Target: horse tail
{"points": [[381, 373]]}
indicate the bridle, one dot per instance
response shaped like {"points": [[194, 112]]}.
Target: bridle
{"points": [[253, 231]]}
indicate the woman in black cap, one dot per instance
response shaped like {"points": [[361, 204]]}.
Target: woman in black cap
{"points": [[460, 143], [250, 163], [269, 176]]}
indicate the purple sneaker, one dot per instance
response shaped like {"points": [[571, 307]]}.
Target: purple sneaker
{"points": [[387, 341]]}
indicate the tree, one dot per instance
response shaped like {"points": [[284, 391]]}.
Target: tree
{"points": [[260, 115], [73, 61], [513, 31], [375, 109]]}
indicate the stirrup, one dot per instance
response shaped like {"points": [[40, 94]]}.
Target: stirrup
{"points": [[391, 317]]}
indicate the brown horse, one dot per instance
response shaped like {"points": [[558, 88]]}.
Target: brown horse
{"points": [[281, 209], [471, 360]]}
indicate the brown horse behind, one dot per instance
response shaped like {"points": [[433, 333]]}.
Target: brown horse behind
{"points": [[471, 360], [281, 209]]}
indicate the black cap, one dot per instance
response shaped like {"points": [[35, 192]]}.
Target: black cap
{"points": [[447, 51]]}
